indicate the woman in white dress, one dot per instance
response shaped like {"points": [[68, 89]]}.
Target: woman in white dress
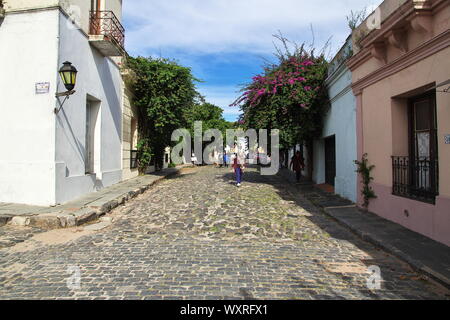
{"points": [[194, 159]]}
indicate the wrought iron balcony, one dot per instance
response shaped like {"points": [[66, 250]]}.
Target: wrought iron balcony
{"points": [[106, 33], [416, 179]]}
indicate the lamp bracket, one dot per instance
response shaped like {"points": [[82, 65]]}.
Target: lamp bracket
{"points": [[66, 94]]}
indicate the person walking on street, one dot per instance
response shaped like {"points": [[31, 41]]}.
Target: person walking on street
{"points": [[194, 159], [220, 158], [297, 164], [225, 159], [238, 167]]}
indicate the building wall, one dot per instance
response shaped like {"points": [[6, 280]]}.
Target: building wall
{"points": [[319, 161], [98, 79], [77, 9], [378, 141], [386, 9], [27, 122], [383, 128], [340, 121], [440, 24], [129, 141], [11, 5], [84, 7]]}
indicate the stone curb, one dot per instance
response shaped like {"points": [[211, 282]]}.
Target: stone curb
{"points": [[84, 215], [416, 265]]}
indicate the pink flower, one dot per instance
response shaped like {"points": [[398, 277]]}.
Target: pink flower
{"points": [[307, 88], [261, 91]]}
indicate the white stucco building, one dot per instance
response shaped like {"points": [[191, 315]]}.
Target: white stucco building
{"points": [[336, 150], [130, 135], [50, 158]]}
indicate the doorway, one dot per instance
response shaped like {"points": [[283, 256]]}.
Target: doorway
{"points": [[92, 143], [330, 160]]}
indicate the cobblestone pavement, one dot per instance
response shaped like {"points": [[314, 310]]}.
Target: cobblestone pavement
{"points": [[12, 235], [198, 236]]}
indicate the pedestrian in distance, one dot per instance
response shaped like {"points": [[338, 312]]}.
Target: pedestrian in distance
{"points": [[220, 159], [215, 157], [225, 159], [297, 164], [238, 168], [194, 159]]}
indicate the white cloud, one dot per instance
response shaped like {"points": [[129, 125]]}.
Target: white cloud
{"points": [[232, 25], [193, 29]]}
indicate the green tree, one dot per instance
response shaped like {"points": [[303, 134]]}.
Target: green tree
{"points": [[164, 93], [211, 117]]}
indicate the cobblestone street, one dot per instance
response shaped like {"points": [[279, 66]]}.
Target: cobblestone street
{"points": [[197, 236]]}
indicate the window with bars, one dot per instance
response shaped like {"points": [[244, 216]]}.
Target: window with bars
{"points": [[417, 176]]}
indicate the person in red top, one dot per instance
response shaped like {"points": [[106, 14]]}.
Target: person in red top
{"points": [[297, 164], [238, 167]]}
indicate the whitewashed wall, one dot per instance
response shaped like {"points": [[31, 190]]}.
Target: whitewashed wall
{"points": [[341, 122], [84, 7], [28, 54], [129, 134], [30, 4], [98, 77]]}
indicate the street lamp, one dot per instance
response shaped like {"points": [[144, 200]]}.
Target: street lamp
{"points": [[68, 74]]}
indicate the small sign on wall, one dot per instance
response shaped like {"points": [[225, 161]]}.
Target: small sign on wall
{"points": [[447, 139], [42, 87]]}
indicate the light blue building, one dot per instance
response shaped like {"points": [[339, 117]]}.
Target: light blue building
{"points": [[336, 150]]}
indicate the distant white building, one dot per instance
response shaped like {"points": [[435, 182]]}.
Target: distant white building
{"points": [[50, 158], [335, 151]]}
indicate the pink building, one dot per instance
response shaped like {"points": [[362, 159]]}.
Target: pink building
{"points": [[401, 72]]}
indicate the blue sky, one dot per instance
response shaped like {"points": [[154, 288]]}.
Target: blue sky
{"points": [[225, 42]]}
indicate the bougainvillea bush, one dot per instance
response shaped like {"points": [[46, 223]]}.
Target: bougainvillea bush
{"points": [[289, 96]]}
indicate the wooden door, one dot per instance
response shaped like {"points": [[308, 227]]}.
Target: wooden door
{"points": [[330, 160]]}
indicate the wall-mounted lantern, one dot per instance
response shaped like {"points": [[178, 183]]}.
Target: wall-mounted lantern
{"points": [[68, 74]]}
